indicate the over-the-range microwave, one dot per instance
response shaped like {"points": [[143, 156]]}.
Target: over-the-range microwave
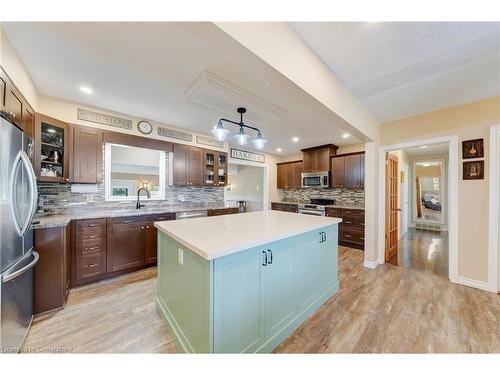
{"points": [[316, 179]]}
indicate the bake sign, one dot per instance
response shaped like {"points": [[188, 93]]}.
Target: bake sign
{"points": [[247, 155]]}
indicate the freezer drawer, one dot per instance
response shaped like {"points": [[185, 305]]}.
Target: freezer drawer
{"points": [[16, 312]]}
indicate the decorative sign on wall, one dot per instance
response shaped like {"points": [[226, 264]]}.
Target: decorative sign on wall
{"points": [[103, 119], [209, 141], [175, 134], [247, 155]]}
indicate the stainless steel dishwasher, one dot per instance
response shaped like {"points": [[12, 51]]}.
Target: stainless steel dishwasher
{"points": [[190, 214]]}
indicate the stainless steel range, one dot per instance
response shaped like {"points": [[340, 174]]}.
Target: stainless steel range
{"points": [[317, 206]]}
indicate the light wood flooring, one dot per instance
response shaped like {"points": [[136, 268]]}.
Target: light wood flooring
{"points": [[389, 309], [423, 250]]}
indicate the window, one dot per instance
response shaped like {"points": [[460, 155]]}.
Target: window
{"points": [[130, 168]]}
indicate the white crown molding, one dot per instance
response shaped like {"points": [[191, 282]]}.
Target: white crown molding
{"points": [[210, 79]]}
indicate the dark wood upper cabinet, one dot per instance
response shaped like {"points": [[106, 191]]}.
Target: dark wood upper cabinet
{"points": [[215, 168], [289, 174], [181, 165], [337, 172], [86, 160], [14, 105], [29, 121], [317, 159], [52, 149], [3, 89], [348, 171], [195, 166]]}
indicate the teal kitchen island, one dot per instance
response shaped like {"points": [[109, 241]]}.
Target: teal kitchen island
{"points": [[243, 283]]}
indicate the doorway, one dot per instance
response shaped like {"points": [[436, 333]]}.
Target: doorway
{"points": [[246, 183], [417, 229]]}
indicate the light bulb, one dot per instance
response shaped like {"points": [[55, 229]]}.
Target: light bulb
{"points": [[219, 132], [259, 142], [241, 137]]}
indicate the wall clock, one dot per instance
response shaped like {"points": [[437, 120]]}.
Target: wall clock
{"points": [[144, 127]]}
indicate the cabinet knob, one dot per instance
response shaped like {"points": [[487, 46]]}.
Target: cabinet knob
{"points": [[12, 114], [147, 226], [142, 227]]}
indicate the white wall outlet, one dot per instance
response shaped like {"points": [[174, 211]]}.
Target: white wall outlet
{"points": [[180, 256], [90, 198], [181, 198]]}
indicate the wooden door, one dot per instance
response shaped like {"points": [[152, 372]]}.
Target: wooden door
{"points": [[125, 244], [310, 160], [151, 243], [391, 206], [86, 160], [180, 165], [323, 160], [297, 174], [338, 172], [282, 176], [29, 121], [14, 105], [195, 166], [352, 171]]}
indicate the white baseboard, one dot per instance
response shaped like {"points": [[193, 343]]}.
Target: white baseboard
{"points": [[370, 264], [483, 285]]}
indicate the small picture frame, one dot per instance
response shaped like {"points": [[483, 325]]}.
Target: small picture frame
{"points": [[473, 170], [472, 149]]}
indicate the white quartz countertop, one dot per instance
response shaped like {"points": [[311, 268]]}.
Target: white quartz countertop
{"points": [[217, 236]]}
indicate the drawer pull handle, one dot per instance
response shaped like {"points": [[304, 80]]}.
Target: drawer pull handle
{"points": [[161, 218], [91, 265], [363, 224], [348, 236], [93, 225], [126, 221], [93, 248], [362, 238], [92, 236], [348, 222]]}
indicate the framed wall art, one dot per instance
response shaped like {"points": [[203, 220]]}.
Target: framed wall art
{"points": [[472, 149], [473, 170]]}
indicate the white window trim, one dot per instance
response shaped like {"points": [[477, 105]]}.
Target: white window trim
{"points": [[107, 180]]}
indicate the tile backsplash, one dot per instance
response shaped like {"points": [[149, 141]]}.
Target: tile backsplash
{"points": [[341, 195], [59, 199]]}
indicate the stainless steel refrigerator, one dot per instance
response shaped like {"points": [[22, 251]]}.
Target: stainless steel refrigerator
{"points": [[18, 197]]}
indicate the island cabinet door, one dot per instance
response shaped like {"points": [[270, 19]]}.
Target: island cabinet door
{"points": [[315, 266], [238, 325], [278, 286]]}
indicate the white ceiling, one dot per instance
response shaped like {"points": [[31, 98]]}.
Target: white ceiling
{"points": [[439, 149], [400, 69], [147, 69]]}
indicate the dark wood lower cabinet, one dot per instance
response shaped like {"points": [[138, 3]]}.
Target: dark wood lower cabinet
{"points": [[223, 211], [287, 207], [352, 228], [52, 272], [125, 243]]}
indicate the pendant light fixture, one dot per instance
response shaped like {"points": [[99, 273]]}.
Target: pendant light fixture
{"points": [[220, 133]]}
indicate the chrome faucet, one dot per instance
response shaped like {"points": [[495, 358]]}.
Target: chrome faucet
{"points": [[139, 205]]}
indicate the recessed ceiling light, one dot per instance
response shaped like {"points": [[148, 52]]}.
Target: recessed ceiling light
{"points": [[424, 146], [279, 149], [86, 90], [295, 139], [346, 135]]}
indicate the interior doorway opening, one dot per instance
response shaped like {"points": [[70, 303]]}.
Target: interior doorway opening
{"points": [[246, 183], [416, 210]]}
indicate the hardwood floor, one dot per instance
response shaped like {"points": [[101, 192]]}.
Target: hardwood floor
{"points": [[389, 309], [422, 250], [113, 316]]}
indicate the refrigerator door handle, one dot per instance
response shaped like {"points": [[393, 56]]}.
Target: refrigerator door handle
{"points": [[33, 192], [11, 276], [14, 206]]}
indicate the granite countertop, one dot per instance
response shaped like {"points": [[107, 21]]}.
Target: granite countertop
{"points": [[260, 228], [354, 207], [62, 220]]}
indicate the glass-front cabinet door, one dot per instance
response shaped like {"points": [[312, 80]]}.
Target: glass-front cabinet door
{"points": [[215, 167], [52, 149]]}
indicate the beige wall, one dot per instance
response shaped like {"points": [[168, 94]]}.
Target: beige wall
{"points": [[16, 71], [468, 121], [247, 184]]}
